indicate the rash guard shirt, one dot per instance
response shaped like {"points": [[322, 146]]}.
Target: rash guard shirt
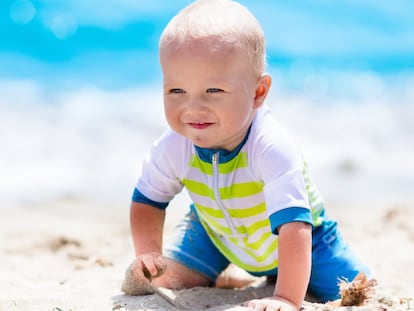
{"points": [[241, 197]]}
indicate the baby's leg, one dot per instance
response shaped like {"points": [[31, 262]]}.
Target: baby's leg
{"points": [[193, 260], [235, 277], [332, 261], [178, 276]]}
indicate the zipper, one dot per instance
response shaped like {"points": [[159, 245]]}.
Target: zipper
{"points": [[229, 220]]}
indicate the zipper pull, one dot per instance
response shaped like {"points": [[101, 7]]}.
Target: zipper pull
{"points": [[214, 158]]}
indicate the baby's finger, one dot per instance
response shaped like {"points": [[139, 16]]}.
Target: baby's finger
{"points": [[149, 267], [136, 269]]}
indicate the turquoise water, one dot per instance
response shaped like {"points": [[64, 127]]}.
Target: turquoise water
{"points": [[114, 44], [80, 96]]}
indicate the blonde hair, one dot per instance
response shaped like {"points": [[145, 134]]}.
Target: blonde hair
{"points": [[225, 21]]}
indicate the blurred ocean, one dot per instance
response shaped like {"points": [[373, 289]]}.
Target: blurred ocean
{"points": [[81, 102]]}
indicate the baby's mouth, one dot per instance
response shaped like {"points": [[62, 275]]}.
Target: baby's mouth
{"points": [[200, 125]]}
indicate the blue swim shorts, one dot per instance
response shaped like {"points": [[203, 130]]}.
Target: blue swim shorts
{"points": [[332, 259]]}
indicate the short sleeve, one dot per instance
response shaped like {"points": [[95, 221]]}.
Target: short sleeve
{"points": [[159, 180]]}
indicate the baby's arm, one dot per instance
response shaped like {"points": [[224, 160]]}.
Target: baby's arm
{"points": [[147, 223], [295, 251]]}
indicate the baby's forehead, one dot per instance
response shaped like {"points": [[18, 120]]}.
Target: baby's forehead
{"points": [[213, 45]]}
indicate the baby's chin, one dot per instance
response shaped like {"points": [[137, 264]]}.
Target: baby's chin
{"points": [[205, 141], [211, 147], [203, 144]]}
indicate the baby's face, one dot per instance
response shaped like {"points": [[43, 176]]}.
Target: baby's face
{"points": [[209, 93]]}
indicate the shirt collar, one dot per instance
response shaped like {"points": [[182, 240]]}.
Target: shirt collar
{"points": [[206, 154]]}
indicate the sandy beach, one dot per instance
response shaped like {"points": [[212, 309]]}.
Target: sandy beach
{"points": [[81, 102], [72, 254]]}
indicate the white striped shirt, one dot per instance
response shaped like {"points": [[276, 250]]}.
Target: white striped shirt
{"points": [[241, 197]]}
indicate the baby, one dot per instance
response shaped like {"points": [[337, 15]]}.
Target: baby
{"points": [[254, 204]]}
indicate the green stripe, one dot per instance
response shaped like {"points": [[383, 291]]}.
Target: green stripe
{"points": [[248, 212], [271, 249], [241, 190], [217, 227], [258, 225], [234, 191], [199, 188], [211, 214], [315, 201], [209, 211], [240, 161], [255, 245], [204, 167], [250, 230], [316, 215], [242, 229]]}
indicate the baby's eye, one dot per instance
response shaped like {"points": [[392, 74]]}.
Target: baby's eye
{"points": [[214, 90], [176, 91]]}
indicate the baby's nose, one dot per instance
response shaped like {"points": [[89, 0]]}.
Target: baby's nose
{"points": [[196, 104]]}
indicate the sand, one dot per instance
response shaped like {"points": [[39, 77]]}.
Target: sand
{"points": [[72, 254]]}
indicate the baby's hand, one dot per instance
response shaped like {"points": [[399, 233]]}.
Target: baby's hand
{"points": [[271, 304], [148, 266], [141, 272]]}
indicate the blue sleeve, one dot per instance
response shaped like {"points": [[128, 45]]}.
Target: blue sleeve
{"points": [[292, 214], [138, 197]]}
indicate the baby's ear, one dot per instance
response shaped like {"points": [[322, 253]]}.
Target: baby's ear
{"points": [[262, 89]]}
